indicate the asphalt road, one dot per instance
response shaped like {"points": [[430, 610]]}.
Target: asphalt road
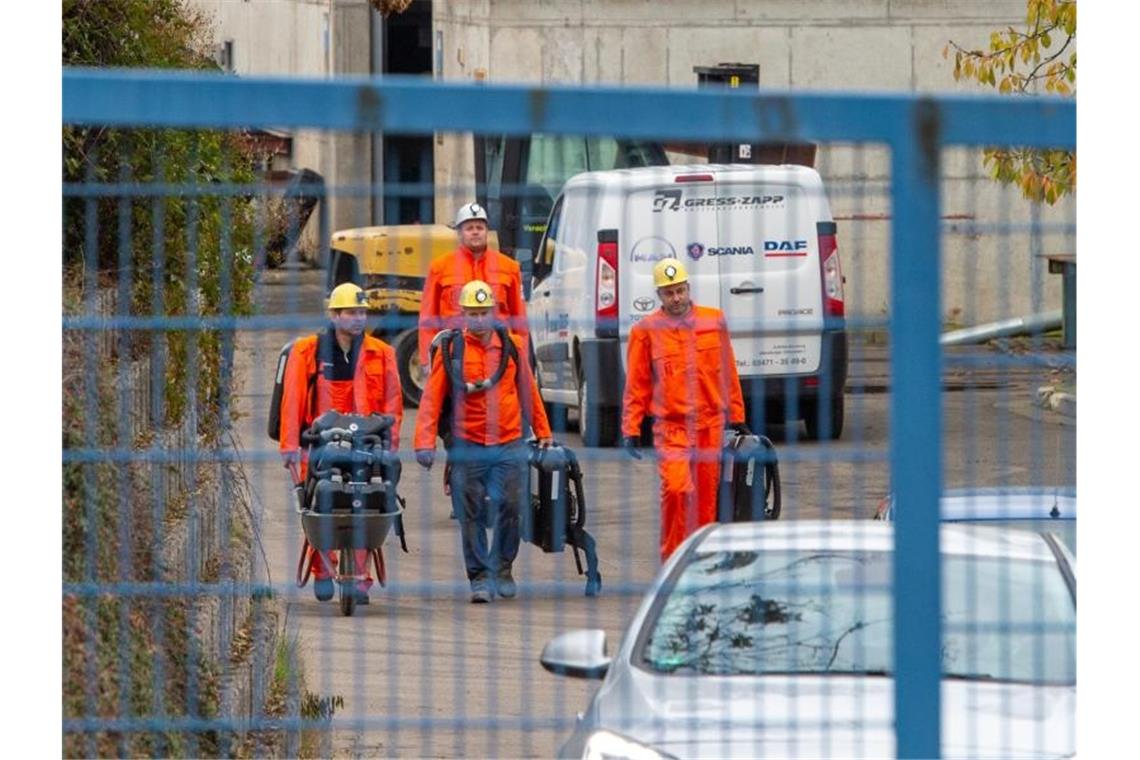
{"points": [[425, 673]]}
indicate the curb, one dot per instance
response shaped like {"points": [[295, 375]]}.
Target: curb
{"points": [[1048, 397]]}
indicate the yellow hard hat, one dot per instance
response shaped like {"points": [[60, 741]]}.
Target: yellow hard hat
{"points": [[476, 295], [348, 296], [668, 272]]}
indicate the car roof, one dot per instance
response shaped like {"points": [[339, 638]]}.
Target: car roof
{"points": [[869, 535], [1009, 503]]}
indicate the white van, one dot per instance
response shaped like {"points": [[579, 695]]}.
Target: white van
{"points": [[759, 243]]}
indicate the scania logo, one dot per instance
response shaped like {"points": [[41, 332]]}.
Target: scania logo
{"points": [[738, 250], [696, 250], [644, 304]]}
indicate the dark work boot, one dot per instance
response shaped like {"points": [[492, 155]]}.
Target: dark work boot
{"points": [[481, 590], [505, 583]]}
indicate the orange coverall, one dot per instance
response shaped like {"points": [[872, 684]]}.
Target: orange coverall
{"points": [[374, 387], [488, 473], [682, 371], [488, 418], [439, 309]]}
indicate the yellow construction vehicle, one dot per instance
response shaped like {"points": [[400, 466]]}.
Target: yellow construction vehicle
{"points": [[391, 264]]}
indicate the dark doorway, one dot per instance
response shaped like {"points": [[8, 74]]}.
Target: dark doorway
{"points": [[409, 159]]}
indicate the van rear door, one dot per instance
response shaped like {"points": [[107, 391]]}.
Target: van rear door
{"points": [[664, 221], [767, 253]]}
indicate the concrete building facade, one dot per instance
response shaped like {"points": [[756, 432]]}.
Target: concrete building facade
{"points": [[993, 267]]}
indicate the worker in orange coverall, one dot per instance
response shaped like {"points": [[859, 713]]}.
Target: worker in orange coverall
{"points": [[472, 260], [345, 369], [494, 397], [681, 370]]}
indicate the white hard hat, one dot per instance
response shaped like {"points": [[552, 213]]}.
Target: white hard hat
{"points": [[467, 212]]}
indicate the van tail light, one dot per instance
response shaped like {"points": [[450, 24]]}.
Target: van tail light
{"points": [[606, 290], [831, 273]]}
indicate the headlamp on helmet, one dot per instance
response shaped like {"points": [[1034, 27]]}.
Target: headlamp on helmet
{"points": [[669, 272]]}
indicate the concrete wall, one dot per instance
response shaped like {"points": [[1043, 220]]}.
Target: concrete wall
{"points": [[833, 45], [312, 39]]}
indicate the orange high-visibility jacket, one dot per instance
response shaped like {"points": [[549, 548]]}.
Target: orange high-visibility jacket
{"points": [[447, 275], [491, 417], [375, 387], [681, 370]]}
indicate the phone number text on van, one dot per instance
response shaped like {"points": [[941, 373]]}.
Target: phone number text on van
{"points": [[783, 361]]}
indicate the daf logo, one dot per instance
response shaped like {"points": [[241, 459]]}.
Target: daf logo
{"points": [[644, 304]]}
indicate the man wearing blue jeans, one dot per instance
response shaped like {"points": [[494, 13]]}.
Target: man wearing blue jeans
{"points": [[493, 396]]}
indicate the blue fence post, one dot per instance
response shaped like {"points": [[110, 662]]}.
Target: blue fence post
{"points": [[916, 429]]}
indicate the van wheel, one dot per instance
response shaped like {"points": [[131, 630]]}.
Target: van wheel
{"points": [[813, 419], [412, 381], [597, 424]]}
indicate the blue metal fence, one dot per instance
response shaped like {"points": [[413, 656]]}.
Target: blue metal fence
{"points": [[915, 128]]}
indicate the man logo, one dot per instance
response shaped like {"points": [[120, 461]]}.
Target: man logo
{"points": [[644, 304], [652, 248], [696, 250]]}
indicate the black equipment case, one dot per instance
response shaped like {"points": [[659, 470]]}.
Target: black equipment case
{"points": [[349, 497], [749, 480], [557, 514]]}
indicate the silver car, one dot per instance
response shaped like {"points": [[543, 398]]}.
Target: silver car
{"points": [[1048, 508], [775, 640]]}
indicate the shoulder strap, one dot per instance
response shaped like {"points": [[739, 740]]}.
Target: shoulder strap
{"points": [[314, 369], [523, 391]]}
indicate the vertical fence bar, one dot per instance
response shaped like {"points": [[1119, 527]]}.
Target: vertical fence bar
{"points": [[124, 528], [916, 429]]}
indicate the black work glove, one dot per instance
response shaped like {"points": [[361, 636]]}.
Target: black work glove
{"points": [[740, 428], [629, 443], [425, 458]]}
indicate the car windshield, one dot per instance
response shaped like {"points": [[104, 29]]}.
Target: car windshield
{"points": [[829, 612]]}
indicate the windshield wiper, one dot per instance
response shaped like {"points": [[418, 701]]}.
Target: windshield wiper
{"points": [[972, 677]]}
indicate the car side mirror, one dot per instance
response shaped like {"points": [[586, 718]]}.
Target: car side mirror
{"points": [[578, 654]]}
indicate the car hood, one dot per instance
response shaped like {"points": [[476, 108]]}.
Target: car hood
{"points": [[782, 716]]}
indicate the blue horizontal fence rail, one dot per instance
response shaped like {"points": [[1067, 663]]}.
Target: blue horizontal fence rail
{"points": [[915, 127]]}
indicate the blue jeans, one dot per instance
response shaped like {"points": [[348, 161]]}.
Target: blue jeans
{"points": [[488, 485]]}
